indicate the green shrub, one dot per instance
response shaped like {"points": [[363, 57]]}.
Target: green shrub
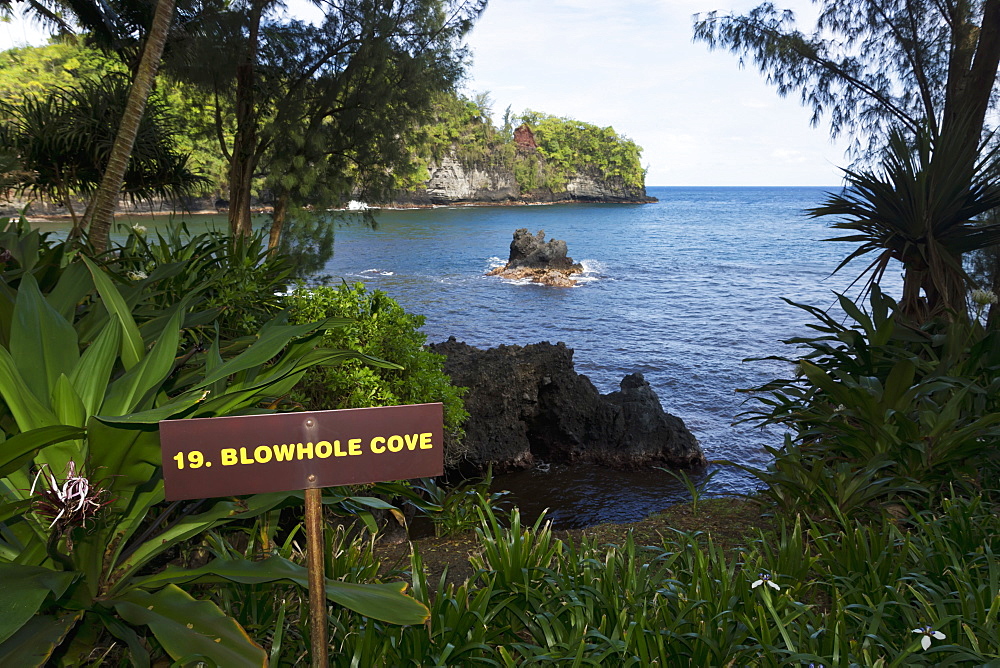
{"points": [[236, 278], [384, 330], [881, 411]]}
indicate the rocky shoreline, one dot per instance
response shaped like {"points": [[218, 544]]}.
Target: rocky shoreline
{"points": [[54, 213], [528, 404]]}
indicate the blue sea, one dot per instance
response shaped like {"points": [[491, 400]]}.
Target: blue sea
{"points": [[683, 290]]}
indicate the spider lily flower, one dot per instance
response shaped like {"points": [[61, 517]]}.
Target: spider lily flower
{"points": [[72, 502], [765, 578], [984, 297], [136, 275], [928, 633], [139, 229]]}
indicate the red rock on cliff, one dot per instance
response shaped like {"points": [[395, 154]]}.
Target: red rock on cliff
{"points": [[525, 138]]}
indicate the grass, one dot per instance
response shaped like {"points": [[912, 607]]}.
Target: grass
{"points": [[678, 589], [729, 521]]}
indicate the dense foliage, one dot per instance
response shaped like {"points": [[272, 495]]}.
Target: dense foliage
{"points": [[456, 125], [844, 593], [566, 147], [574, 146], [884, 413], [382, 329], [91, 359]]}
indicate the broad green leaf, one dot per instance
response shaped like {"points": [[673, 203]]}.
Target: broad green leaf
{"points": [[7, 298], [385, 601], [93, 371], [138, 652], [128, 393], [123, 458], [154, 415], [42, 343], [23, 592], [71, 289], [818, 377], [271, 342], [15, 509], [34, 642], [898, 383], [66, 403], [192, 525], [373, 502], [851, 309], [132, 346], [18, 450], [28, 411], [185, 626], [24, 248]]}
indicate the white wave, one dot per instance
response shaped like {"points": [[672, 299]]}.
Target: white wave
{"points": [[355, 205], [379, 272], [593, 267], [494, 262]]}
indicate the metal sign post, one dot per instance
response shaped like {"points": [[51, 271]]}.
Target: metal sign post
{"points": [[283, 452]]}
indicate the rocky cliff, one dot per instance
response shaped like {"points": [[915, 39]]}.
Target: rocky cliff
{"points": [[528, 403], [452, 182]]}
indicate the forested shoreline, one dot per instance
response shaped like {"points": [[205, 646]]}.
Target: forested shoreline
{"points": [[196, 127]]}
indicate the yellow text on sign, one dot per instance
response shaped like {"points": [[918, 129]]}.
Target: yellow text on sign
{"points": [[288, 452]]}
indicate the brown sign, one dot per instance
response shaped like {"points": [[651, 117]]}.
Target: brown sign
{"points": [[230, 456]]}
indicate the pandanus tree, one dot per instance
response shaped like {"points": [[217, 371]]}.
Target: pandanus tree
{"points": [[62, 141], [109, 27], [881, 69], [921, 209]]}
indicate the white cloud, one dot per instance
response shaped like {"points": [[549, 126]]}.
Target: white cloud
{"points": [[701, 119]]}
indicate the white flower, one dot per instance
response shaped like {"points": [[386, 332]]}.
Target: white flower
{"points": [[74, 501], [136, 275], [139, 229], [928, 632], [765, 579], [984, 297]]}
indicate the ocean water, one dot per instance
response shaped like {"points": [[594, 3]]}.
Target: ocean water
{"points": [[683, 290]]}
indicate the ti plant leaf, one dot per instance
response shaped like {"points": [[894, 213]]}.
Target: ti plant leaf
{"points": [[188, 628], [24, 590], [384, 601]]}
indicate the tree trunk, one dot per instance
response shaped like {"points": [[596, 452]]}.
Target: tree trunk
{"points": [[101, 209], [972, 72], [244, 159], [277, 221], [993, 319], [932, 290]]}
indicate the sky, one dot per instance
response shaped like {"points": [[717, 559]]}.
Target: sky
{"points": [[631, 64]]}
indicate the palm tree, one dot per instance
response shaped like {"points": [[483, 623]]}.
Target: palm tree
{"points": [[920, 208], [102, 207]]}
